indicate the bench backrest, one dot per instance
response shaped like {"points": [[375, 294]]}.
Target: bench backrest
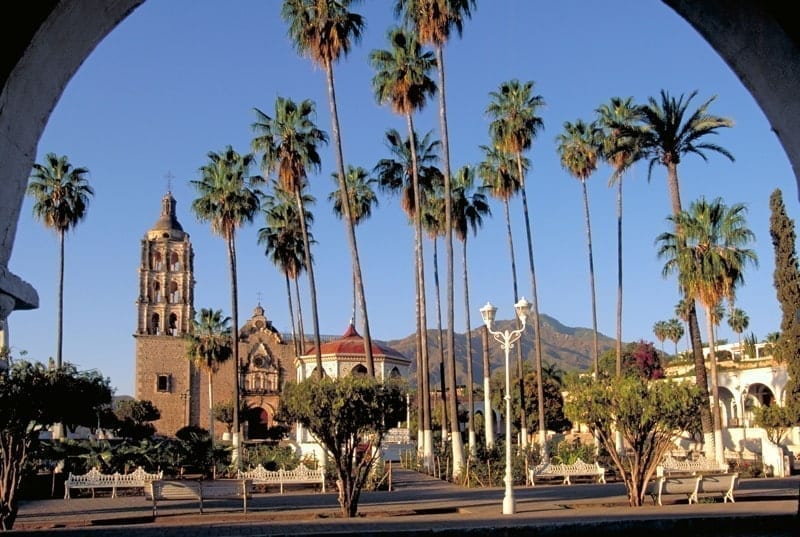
{"points": [[175, 490]]}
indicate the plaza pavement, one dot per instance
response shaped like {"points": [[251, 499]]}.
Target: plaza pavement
{"points": [[423, 505]]}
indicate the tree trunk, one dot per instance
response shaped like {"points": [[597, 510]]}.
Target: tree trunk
{"points": [[350, 226], [719, 448], [421, 304], [442, 377], [311, 285], [618, 442], [210, 404], [231, 243], [537, 334], [301, 340], [457, 444], [470, 397], [595, 352], [694, 327], [291, 316], [60, 308]]}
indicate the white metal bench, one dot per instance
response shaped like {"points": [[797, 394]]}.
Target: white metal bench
{"points": [[95, 479], [301, 475], [217, 489], [693, 485], [567, 471], [670, 466]]}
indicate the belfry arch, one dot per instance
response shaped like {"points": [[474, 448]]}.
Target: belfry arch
{"points": [[52, 38]]}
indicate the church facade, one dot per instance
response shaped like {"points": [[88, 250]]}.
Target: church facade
{"points": [[165, 375]]}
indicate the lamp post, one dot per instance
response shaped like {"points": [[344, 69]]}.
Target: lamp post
{"points": [[507, 338]]}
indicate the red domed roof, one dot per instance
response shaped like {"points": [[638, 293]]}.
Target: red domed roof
{"points": [[351, 343]]}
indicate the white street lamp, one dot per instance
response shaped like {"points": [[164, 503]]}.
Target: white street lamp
{"points": [[507, 338]]}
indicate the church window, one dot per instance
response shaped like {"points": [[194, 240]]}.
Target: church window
{"points": [[258, 361], [156, 291], [173, 324], [155, 324], [174, 293], [174, 262], [163, 383], [394, 373], [155, 261], [359, 371]]}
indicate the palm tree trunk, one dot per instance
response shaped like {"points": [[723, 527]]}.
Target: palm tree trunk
{"points": [[60, 309], [311, 285], [421, 303], [537, 333], [694, 327], [301, 340], [523, 437], [488, 413], [458, 445], [595, 353], [441, 343], [291, 315], [470, 401], [210, 404], [618, 441], [231, 243], [351, 234], [719, 449]]}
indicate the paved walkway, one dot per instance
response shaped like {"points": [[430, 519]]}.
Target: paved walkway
{"points": [[420, 505]]}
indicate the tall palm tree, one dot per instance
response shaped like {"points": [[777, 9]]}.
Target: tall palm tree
{"points": [[738, 320], [289, 143], [470, 206], [675, 332], [708, 251], [661, 331], [579, 147], [682, 310], [515, 123], [362, 199], [497, 172], [210, 347], [396, 176], [61, 195], [432, 214], [228, 198], [434, 21], [283, 241], [325, 30], [620, 154], [402, 79], [667, 131]]}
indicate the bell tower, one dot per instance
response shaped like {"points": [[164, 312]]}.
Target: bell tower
{"points": [[164, 311], [166, 282]]}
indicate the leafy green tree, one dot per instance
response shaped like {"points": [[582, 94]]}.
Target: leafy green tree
{"points": [[709, 252], [514, 125], [289, 142], [649, 414], [34, 396], [134, 419], [209, 348], [325, 30], [228, 198], [787, 286], [362, 199], [775, 419], [402, 79], [434, 22], [665, 132], [61, 195], [350, 417], [579, 147]]}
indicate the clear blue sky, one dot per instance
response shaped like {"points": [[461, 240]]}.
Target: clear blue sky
{"points": [[180, 78]]}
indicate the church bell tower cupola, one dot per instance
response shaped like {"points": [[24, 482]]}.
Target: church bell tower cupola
{"points": [[166, 277]]}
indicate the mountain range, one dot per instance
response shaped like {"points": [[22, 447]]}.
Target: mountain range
{"points": [[569, 348]]}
